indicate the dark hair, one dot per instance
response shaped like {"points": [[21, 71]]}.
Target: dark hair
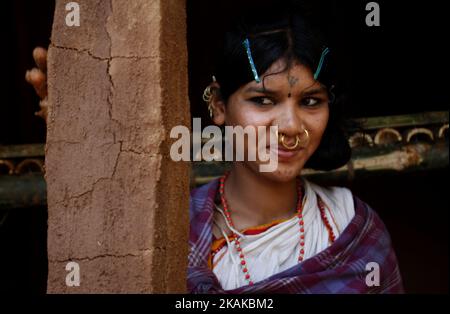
{"points": [[283, 34]]}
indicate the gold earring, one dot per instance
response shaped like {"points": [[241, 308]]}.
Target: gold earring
{"points": [[207, 94], [210, 109], [207, 97]]}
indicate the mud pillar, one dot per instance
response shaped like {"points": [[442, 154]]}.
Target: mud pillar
{"points": [[117, 204]]}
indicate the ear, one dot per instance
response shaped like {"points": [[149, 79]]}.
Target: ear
{"points": [[218, 105]]}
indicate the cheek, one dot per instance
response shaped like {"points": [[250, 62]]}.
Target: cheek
{"points": [[318, 124], [234, 111], [322, 124], [240, 113]]}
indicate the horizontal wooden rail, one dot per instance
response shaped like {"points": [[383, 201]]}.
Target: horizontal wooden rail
{"points": [[402, 143]]}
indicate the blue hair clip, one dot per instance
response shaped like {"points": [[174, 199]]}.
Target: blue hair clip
{"points": [[319, 67], [246, 44]]}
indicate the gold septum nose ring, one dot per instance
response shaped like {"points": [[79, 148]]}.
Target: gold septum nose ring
{"points": [[282, 139]]}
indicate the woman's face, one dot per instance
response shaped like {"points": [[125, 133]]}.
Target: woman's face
{"points": [[291, 100]]}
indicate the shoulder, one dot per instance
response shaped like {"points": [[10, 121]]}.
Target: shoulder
{"points": [[339, 195], [339, 199], [201, 194]]}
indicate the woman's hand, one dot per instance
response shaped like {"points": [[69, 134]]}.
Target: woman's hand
{"points": [[38, 78]]}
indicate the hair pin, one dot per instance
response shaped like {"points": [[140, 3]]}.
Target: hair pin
{"points": [[246, 44], [319, 67]]}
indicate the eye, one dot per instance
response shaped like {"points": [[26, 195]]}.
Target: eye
{"points": [[263, 101], [310, 102]]}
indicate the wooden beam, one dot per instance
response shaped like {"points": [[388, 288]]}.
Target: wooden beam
{"points": [[415, 119], [22, 151], [364, 162], [30, 190]]}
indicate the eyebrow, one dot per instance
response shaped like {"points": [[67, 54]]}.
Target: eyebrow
{"points": [[314, 91], [261, 90]]}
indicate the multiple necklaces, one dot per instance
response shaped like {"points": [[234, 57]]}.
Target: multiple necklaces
{"points": [[237, 243]]}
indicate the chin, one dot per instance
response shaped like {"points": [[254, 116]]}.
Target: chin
{"points": [[283, 173]]}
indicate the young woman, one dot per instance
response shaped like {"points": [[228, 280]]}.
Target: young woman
{"points": [[276, 232]]}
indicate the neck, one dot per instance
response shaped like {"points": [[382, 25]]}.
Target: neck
{"points": [[255, 200]]}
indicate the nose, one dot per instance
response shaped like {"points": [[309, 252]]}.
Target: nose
{"points": [[289, 121]]}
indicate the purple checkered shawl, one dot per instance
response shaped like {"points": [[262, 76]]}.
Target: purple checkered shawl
{"points": [[338, 269]]}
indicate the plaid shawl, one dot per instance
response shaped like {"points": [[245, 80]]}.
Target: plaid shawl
{"points": [[341, 268]]}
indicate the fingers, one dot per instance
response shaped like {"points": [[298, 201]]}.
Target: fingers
{"points": [[40, 57], [38, 79], [43, 113]]}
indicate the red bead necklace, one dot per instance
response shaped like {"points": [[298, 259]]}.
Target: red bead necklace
{"points": [[237, 243], [321, 204]]}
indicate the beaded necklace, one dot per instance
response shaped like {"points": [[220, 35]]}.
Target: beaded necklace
{"points": [[237, 243]]}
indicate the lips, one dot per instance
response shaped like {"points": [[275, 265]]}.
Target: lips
{"points": [[285, 154]]}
